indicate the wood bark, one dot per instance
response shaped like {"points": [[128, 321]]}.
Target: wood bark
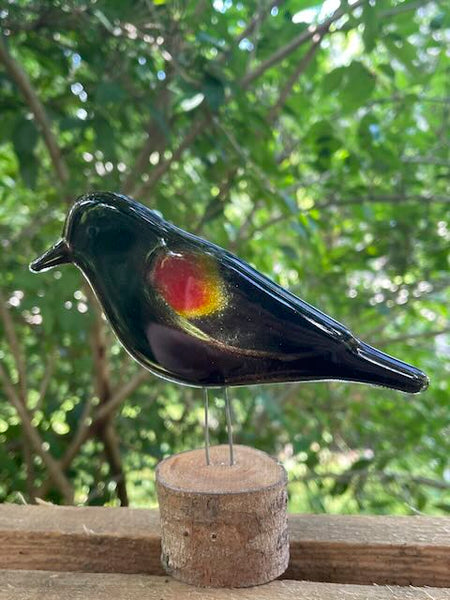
{"points": [[222, 525]]}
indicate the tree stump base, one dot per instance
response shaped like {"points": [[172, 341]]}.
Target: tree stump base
{"points": [[222, 525]]}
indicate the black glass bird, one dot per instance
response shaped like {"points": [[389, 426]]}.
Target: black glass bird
{"points": [[193, 313]]}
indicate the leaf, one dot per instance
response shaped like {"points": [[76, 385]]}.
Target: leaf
{"points": [[354, 84], [104, 136], [71, 123], [340, 487], [28, 167], [301, 444], [202, 36], [104, 20], [369, 130], [333, 79], [290, 252], [361, 464], [384, 158], [214, 91], [324, 142], [109, 92], [312, 460], [359, 85], [24, 136], [161, 120], [189, 104], [370, 19], [403, 51], [290, 202], [438, 22], [387, 70], [6, 129]]}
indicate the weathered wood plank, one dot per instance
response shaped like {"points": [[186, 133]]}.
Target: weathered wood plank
{"points": [[94, 539], [35, 585], [341, 549], [370, 549]]}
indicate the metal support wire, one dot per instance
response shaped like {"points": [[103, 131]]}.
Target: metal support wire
{"points": [[229, 424], [206, 426]]}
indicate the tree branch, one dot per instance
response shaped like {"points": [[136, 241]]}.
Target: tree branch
{"points": [[54, 469], [198, 125], [243, 229], [156, 136], [105, 428], [287, 88], [393, 198], [216, 205], [425, 160], [295, 43], [273, 221], [98, 425], [412, 336], [79, 438], [201, 123], [153, 143], [32, 438], [23, 83], [15, 348], [29, 466], [111, 447], [49, 369], [402, 8], [257, 20], [383, 475], [121, 395], [384, 198], [87, 427]]}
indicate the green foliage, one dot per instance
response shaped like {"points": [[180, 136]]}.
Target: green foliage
{"points": [[334, 182]]}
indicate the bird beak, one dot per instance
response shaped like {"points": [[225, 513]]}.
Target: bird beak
{"points": [[57, 255]]}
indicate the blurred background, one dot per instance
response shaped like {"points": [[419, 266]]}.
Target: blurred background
{"points": [[309, 138]]}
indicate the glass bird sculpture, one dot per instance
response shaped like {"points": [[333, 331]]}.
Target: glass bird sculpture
{"points": [[193, 313]]}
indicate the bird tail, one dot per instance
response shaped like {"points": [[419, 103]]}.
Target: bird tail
{"points": [[369, 365]]}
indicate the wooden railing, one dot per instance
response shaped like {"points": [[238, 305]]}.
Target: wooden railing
{"points": [[51, 553]]}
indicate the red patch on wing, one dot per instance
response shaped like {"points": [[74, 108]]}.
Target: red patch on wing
{"points": [[189, 283]]}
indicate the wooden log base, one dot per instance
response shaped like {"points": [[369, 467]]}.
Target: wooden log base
{"points": [[222, 525]]}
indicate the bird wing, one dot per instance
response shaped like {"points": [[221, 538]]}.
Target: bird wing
{"points": [[214, 296]]}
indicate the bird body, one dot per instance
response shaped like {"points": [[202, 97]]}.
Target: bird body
{"points": [[193, 313]]}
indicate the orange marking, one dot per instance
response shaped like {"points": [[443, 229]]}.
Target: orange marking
{"points": [[189, 283]]}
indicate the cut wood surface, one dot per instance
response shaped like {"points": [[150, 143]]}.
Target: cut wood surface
{"points": [[222, 525], [349, 549], [36, 585], [252, 471]]}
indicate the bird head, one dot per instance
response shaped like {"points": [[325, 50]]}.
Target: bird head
{"points": [[101, 224]]}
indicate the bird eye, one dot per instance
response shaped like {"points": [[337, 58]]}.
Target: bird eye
{"points": [[92, 231]]}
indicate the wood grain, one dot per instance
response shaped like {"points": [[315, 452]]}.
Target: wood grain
{"points": [[252, 471], [370, 549], [36, 585], [349, 549]]}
